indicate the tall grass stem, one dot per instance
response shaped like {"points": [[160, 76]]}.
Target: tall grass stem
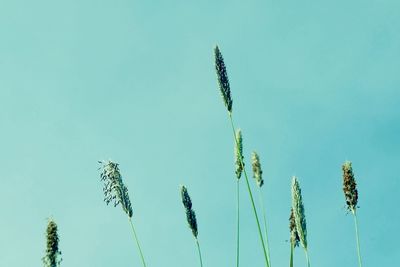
{"points": [[251, 196], [308, 258], [238, 223], [291, 255], [265, 224], [357, 238], [137, 242], [198, 249]]}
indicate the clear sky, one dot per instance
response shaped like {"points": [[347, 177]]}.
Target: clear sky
{"points": [[314, 83]]}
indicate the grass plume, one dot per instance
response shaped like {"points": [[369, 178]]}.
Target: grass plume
{"points": [[115, 191], [299, 215], [191, 218], [53, 253], [351, 196], [223, 80]]}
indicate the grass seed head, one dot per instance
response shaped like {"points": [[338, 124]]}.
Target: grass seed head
{"points": [[349, 186], [298, 212], [239, 154], [257, 171], [53, 253], [114, 189], [223, 80], [294, 236], [190, 214]]}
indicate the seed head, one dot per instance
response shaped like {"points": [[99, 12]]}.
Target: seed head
{"points": [[190, 214], [298, 212], [53, 254], [239, 154], [223, 80], [257, 171], [349, 186], [114, 189], [294, 236]]}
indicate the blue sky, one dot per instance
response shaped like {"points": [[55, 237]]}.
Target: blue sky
{"points": [[314, 83]]}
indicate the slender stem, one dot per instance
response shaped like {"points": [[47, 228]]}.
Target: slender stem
{"points": [[265, 224], [251, 195], [137, 242], [291, 255], [198, 249], [357, 238], [308, 259], [238, 224]]}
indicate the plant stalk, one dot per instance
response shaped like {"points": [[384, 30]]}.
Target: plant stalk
{"points": [[308, 259], [137, 242], [265, 225], [238, 224], [251, 195], [291, 255], [357, 238], [198, 249]]}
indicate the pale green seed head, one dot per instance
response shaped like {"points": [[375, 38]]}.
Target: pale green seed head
{"points": [[298, 212], [239, 154], [257, 171]]}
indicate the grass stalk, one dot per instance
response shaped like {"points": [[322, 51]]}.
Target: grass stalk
{"points": [[237, 224], [251, 196], [265, 224], [357, 238], [308, 258], [198, 249], [291, 255], [137, 242]]}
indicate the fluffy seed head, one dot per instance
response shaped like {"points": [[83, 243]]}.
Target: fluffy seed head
{"points": [[257, 171], [223, 80], [239, 154], [190, 214], [294, 236], [53, 254], [349, 186], [114, 189], [298, 212]]}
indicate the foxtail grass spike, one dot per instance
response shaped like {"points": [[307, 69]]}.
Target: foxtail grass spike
{"points": [[239, 154], [190, 214], [298, 212], [257, 171], [114, 188], [53, 253], [223, 80], [349, 186], [351, 196]]}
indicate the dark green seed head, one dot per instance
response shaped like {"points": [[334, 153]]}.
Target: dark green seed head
{"points": [[190, 214], [223, 80], [53, 254]]}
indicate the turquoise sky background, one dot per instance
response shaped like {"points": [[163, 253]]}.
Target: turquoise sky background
{"points": [[314, 83]]}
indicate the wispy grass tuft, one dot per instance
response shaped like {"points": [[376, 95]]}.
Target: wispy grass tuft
{"points": [[115, 191], [299, 215], [53, 253], [191, 218], [351, 196]]}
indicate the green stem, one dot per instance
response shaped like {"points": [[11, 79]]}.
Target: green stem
{"points": [[265, 225], [198, 249], [137, 242], [357, 238], [291, 255], [238, 225], [308, 259], [251, 195]]}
